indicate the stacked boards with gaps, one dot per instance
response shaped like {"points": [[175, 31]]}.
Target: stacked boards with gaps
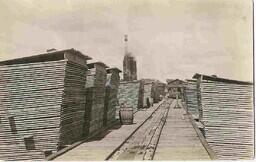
{"points": [[227, 115], [148, 92], [129, 95], [192, 98], [95, 97], [112, 85], [42, 100], [159, 91]]}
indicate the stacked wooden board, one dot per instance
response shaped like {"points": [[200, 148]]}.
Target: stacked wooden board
{"points": [[112, 84], [191, 98], [159, 91], [95, 97], [41, 103], [148, 92], [129, 95], [227, 115]]}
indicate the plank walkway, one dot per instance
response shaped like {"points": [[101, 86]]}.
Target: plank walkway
{"points": [[179, 140], [141, 145], [100, 147]]}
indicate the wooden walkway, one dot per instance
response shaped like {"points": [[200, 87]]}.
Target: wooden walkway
{"points": [[142, 144], [179, 140], [100, 147]]}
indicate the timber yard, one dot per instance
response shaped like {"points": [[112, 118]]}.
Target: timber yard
{"points": [[57, 106]]}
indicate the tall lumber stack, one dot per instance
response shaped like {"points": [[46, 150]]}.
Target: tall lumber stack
{"points": [[159, 90], [42, 101], [112, 84], [148, 92], [129, 95], [191, 98], [155, 96], [95, 97], [227, 114]]}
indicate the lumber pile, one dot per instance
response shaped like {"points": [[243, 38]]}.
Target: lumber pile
{"points": [[41, 104], [228, 119], [112, 84], [159, 91], [227, 115], [191, 98], [129, 95], [148, 93], [95, 97]]}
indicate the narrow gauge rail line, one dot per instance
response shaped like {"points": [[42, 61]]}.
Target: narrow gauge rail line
{"points": [[142, 143]]}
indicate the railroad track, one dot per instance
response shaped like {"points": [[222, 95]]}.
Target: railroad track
{"points": [[142, 143]]}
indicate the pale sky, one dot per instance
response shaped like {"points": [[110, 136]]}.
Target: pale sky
{"points": [[169, 38]]}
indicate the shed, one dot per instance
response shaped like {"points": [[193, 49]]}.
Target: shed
{"points": [[176, 86]]}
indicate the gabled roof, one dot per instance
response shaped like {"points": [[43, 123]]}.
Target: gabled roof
{"points": [[218, 79], [114, 69], [49, 56], [91, 65], [174, 80]]}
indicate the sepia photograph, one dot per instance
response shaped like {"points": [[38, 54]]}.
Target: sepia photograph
{"points": [[127, 80]]}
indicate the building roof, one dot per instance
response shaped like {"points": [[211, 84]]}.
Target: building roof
{"points": [[174, 83], [174, 80], [91, 65], [191, 80], [218, 79], [114, 69], [169, 80], [146, 81], [48, 56]]}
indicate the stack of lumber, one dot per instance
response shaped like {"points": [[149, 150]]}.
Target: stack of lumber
{"points": [[159, 91], [129, 95], [155, 94], [39, 97], [227, 114], [148, 93], [95, 97], [112, 84], [43, 101], [191, 98]]}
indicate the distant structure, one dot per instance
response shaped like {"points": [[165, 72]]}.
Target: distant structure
{"points": [[175, 86], [129, 64]]}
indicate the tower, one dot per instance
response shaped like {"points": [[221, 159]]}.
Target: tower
{"points": [[129, 64]]}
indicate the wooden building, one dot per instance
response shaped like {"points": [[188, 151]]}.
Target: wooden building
{"points": [[95, 97], [226, 111], [112, 85], [176, 86], [42, 100]]}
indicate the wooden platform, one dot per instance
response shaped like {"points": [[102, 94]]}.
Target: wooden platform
{"points": [[179, 140], [100, 147]]}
